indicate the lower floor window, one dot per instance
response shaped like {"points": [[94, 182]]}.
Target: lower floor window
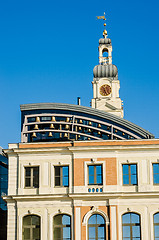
{"points": [[62, 227], [31, 227], [131, 226], [96, 227]]}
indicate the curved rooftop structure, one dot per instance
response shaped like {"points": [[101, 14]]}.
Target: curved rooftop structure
{"points": [[51, 122]]}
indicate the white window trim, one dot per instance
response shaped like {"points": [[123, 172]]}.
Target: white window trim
{"points": [[23, 174], [53, 174], [89, 214], [129, 162], [52, 222], [89, 163], [21, 223]]}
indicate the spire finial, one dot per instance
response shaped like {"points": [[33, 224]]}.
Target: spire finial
{"points": [[105, 31]]}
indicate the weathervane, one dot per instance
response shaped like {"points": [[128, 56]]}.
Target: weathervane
{"points": [[105, 31]]}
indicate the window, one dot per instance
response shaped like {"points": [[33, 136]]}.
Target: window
{"points": [[32, 177], [61, 176], [156, 173], [95, 174], [156, 226], [96, 227], [31, 227], [129, 174], [131, 226], [62, 227]]}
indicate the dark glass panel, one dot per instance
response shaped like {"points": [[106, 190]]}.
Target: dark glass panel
{"points": [[57, 181], [27, 221], [57, 171], [125, 179], [135, 218], [26, 233], [125, 169], [66, 220], [156, 218], [28, 171], [27, 182], [156, 168], [156, 179], [126, 231], [126, 218], [100, 219], [133, 169], [92, 219]]}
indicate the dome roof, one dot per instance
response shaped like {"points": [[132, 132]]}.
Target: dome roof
{"points": [[104, 41], [109, 70]]}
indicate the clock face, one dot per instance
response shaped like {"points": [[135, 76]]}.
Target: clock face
{"points": [[105, 90]]}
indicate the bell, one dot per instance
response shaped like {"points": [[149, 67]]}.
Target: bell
{"points": [[36, 127], [89, 130], [67, 119], [116, 130], [79, 128], [108, 135], [89, 139], [99, 132], [51, 125], [67, 126], [90, 123], [65, 135], [37, 119], [108, 128], [50, 134], [123, 134], [99, 125], [53, 119], [79, 136], [80, 121], [34, 134]]}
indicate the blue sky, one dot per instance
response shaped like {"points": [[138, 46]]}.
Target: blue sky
{"points": [[48, 50]]}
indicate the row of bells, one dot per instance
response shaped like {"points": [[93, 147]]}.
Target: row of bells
{"points": [[53, 119], [50, 135]]}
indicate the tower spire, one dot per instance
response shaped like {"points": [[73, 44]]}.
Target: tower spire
{"points": [[104, 31]]}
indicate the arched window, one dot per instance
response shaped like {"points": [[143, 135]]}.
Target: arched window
{"points": [[62, 227], [131, 226], [31, 227], [156, 226], [96, 227]]}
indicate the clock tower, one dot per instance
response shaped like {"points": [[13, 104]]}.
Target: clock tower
{"points": [[106, 84]]}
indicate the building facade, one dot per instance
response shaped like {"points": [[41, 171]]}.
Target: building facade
{"points": [[3, 191], [84, 173]]}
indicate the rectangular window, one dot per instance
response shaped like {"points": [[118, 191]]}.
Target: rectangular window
{"points": [[32, 177], [95, 175], [155, 173], [129, 174], [61, 176]]}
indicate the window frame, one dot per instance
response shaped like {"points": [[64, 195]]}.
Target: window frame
{"points": [[31, 226], [61, 176], [62, 226], [96, 226], [129, 174], [155, 224], [155, 173], [131, 225], [95, 174], [31, 177]]}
